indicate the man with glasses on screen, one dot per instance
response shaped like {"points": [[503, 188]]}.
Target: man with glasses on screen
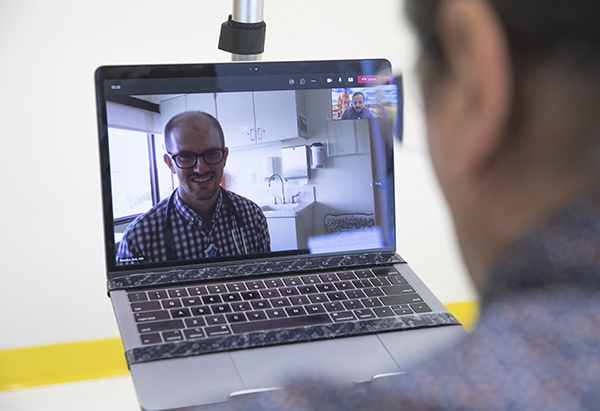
{"points": [[200, 219]]}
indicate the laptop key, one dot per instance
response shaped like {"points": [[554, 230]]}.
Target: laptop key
{"points": [[276, 313], [136, 297], [290, 281], [318, 298], [364, 274], [307, 289], [355, 294], [177, 292], [145, 306], [194, 333], [384, 312], [212, 299], [256, 315], [232, 297], [364, 314], [344, 285], [160, 326], [200, 310], [270, 293], [289, 291], [181, 313], [216, 288], [421, 308], [347, 275], [401, 299], [167, 304], [288, 322], [255, 285], [280, 302], [215, 319], [295, 311], [373, 292], [170, 336], [342, 316], [250, 295], [236, 317], [372, 302], [329, 278], [221, 308], [299, 300], [314, 309], [158, 294], [274, 283], [337, 306], [397, 280], [353, 305], [236, 287], [383, 271], [200, 290], [310, 279], [398, 289], [153, 338], [260, 304], [217, 331], [191, 301], [151, 316], [194, 322], [244, 306]]}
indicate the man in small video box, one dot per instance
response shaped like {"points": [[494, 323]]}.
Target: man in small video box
{"points": [[358, 110]]}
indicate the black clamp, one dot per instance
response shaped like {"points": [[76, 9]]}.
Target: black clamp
{"points": [[242, 38]]}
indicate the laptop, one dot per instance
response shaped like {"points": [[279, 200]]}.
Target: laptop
{"points": [[320, 290]]}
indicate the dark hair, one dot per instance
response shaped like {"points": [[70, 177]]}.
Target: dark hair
{"points": [[358, 93], [537, 30], [185, 117]]}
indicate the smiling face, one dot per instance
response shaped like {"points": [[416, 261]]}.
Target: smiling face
{"points": [[199, 185]]}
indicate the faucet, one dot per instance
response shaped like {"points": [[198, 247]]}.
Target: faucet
{"points": [[282, 192], [295, 196]]}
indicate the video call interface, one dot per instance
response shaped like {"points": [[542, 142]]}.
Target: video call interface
{"points": [[316, 162]]}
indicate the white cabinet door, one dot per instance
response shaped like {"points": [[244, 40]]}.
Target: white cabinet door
{"points": [[235, 112], [170, 108], [276, 115], [201, 102]]}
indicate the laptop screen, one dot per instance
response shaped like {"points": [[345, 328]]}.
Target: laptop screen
{"points": [[235, 161]]}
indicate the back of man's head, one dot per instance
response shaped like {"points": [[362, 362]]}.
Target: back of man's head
{"points": [[554, 48]]}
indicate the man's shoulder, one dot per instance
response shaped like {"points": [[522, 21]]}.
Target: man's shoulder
{"points": [[240, 199], [155, 214]]}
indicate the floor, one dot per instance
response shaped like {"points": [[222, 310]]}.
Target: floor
{"points": [[114, 394]]}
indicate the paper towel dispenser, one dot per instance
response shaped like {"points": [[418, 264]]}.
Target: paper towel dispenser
{"points": [[294, 162]]}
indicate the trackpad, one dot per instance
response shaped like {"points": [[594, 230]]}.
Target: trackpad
{"points": [[354, 359]]}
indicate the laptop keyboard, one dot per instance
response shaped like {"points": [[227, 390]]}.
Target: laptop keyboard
{"points": [[197, 312]]}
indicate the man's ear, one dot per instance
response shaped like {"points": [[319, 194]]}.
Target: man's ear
{"points": [[225, 154], [476, 49], [169, 162]]}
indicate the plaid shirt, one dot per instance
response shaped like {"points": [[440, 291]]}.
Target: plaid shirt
{"points": [[536, 346], [146, 238]]}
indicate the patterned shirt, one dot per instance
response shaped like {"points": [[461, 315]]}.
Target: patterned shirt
{"points": [[536, 345], [238, 227]]}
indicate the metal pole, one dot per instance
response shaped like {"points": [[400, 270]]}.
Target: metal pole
{"points": [[247, 11]]}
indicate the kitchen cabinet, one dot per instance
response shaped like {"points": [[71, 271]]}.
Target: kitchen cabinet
{"points": [[290, 230], [250, 118], [189, 102]]}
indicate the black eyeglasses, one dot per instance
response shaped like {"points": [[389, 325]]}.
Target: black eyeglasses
{"points": [[189, 160]]}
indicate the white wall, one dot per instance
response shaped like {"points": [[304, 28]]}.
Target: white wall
{"points": [[51, 217]]}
